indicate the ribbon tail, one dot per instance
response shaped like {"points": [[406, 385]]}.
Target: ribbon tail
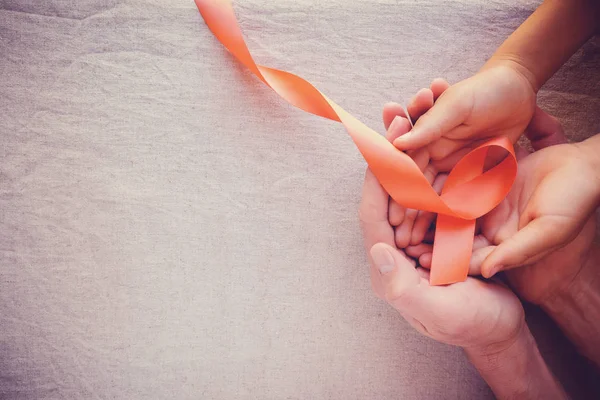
{"points": [[452, 251]]}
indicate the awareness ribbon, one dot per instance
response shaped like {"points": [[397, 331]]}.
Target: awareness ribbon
{"points": [[469, 192]]}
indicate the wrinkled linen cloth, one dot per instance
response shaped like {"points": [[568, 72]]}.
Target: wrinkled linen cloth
{"points": [[171, 229]]}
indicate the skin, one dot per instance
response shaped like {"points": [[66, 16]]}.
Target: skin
{"points": [[537, 226], [462, 314], [485, 318], [535, 218], [564, 281], [497, 101], [546, 223], [500, 99], [576, 309]]}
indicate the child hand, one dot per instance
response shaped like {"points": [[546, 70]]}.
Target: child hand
{"points": [[498, 101], [412, 225]]}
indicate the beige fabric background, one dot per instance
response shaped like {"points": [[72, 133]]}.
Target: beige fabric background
{"points": [[170, 229]]}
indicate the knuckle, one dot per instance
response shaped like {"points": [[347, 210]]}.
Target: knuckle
{"points": [[396, 295]]}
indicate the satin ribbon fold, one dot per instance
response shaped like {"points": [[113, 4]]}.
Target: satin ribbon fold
{"points": [[469, 192]]}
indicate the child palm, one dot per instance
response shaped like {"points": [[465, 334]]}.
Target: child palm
{"points": [[546, 223]]}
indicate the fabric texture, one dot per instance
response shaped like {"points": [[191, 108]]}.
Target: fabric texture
{"points": [[171, 229]]}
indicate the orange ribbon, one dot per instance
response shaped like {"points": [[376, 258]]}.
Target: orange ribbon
{"points": [[468, 193]]}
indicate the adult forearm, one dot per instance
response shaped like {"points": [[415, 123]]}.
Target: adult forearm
{"points": [[548, 38], [517, 371], [577, 309]]}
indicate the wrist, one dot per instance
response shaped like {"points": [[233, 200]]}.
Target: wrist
{"points": [[493, 357], [516, 369], [513, 62]]}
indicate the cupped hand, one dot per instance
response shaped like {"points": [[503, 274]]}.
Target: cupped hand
{"points": [[546, 224], [474, 314]]}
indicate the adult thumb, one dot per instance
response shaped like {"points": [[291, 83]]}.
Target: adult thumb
{"points": [[398, 276]]}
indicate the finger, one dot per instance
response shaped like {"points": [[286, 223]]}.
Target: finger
{"points": [[477, 259], [398, 277], [405, 233], [520, 152], [406, 287], [445, 147], [404, 230], [397, 213], [422, 252], [438, 86], [425, 218], [425, 260], [481, 249], [419, 104], [373, 208], [479, 242], [544, 130], [421, 226], [528, 245], [425, 252], [418, 250], [421, 158], [448, 113], [422, 223], [399, 126], [390, 111], [373, 213]]}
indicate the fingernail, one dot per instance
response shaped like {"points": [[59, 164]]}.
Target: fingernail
{"points": [[383, 259], [395, 122], [407, 135]]}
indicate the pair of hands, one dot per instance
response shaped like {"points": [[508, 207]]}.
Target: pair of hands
{"points": [[545, 223]]}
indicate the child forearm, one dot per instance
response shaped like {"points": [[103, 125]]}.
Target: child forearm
{"points": [[548, 38]]}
